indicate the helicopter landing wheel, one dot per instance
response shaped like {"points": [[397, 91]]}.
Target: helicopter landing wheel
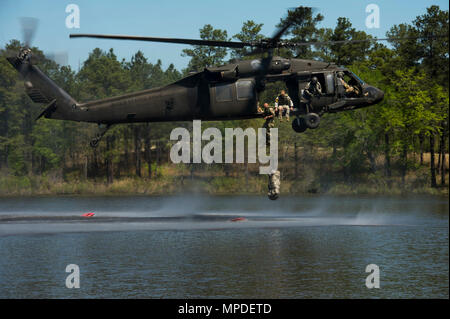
{"points": [[312, 120], [94, 142], [299, 125]]}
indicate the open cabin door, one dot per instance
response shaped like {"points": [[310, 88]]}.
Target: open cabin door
{"points": [[327, 80]]}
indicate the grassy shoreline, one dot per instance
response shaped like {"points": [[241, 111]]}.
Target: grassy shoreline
{"points": [[255, 185]]}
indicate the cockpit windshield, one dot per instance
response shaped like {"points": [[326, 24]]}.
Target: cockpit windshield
{"points": [[357, 77], [350, 83]]}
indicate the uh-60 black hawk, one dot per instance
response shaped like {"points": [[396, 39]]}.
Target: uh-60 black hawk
{"points": [[222, 92]]}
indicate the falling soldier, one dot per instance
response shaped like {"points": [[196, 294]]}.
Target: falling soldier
{"points": [[268, 114], [274, 177], [274, 185]]}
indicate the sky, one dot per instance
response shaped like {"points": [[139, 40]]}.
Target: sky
{"points": [[181, 19]]}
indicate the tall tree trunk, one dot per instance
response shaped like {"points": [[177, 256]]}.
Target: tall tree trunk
{"points": [[421, 138], [85, 173], [137, 150], [64, 166], [33, 163], [109, 164], [373, 166], [404, 157], [157, 159], [432, 164], [296, 160], [226, 168], [387, 156], [148, 153], [126, 163], [438, 167], [158, 155], [95, 163], [443, 160]]}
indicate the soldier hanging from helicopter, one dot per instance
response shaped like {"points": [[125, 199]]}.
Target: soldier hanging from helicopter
{"points": [[268, 115], [274, 185], [274, 178]]}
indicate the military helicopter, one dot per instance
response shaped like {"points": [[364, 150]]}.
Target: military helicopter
{"points": [[216, 93]]}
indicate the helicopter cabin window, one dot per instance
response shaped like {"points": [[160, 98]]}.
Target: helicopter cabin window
{"points": [[330, 83], [244, 90], [224, 92]]}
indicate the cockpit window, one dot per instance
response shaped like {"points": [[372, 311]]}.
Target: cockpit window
{"points": [[350, 85], [357, 77]]}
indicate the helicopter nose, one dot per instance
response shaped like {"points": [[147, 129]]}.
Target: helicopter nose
{"points": [[375, 94], [379, 95]]}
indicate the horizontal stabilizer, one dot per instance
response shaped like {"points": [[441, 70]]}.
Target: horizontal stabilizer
{"points": [[49, 109]]}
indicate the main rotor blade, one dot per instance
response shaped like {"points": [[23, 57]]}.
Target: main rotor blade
{"points": [[279, 33], [225, 44], [274, 42], [29, 26], [257, 50], [298, 44]]}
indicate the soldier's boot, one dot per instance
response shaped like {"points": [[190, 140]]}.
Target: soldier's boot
{"points": [[280, 114], [286, 115]]}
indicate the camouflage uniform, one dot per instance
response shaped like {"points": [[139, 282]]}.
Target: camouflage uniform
{"points": [[268, 124], [285, 103], [274, 185], [311, 90], [348, 88]]}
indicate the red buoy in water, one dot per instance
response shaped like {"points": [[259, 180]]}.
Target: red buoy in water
{"points": [[88, 214], [238, 219]]}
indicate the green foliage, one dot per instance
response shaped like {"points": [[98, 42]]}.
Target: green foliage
{"points": [[250, 32], [102, 75], [346, 54], [202, 56], [304, 29], [360, 146]]}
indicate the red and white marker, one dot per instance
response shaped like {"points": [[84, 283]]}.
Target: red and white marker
{"points": [[88, 214]]}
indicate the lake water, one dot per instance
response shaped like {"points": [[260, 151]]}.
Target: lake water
{"points": [[189, 247]]}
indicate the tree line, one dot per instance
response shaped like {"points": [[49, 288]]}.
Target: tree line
{"points": [[409, 125]]}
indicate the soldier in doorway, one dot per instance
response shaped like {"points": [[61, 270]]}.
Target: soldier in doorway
{"points": [[313, 88]]}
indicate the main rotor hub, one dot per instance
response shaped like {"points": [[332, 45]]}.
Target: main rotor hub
{"points": [[24, 55]]}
